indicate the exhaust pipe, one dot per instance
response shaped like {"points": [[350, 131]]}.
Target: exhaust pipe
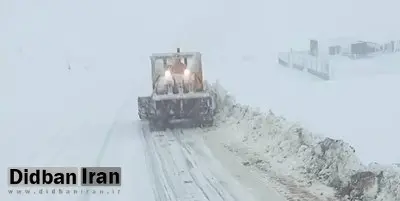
{"points": [[178, 50]]}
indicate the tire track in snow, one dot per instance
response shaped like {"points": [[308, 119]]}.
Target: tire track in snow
{"points": [[109, 133], [169, 182], [209, 180], [177, 174]]}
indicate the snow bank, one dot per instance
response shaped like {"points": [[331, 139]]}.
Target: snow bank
{"points": [[268, 141]]}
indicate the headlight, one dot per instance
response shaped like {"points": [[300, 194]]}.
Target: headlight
{"points": [[186, 72], [167, 73]]}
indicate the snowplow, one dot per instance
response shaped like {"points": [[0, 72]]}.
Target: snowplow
{"points": [[179, 93]]}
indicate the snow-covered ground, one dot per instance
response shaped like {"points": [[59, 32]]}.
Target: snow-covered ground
{"points": [[362, 110], [65, 78], [70, 72], [368, 68]]}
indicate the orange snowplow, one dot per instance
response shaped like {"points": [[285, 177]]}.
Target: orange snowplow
{"points": [[178, 91]]}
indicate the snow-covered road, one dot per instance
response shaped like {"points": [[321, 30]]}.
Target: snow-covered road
{"points": [[185, 168], [177, 174], [70, 72]]}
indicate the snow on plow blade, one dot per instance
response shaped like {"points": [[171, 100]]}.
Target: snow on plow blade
{"points": [[161, 112], [144, 107]]}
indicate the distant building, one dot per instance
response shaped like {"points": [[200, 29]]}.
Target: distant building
{"points": [[363, 48], [343, 46]]}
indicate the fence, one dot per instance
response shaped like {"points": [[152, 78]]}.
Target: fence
{"points": [[304, 62], [391, 46]]}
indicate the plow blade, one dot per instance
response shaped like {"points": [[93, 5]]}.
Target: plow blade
{"points": [[186, 108], [199, 111], [144, 107]]}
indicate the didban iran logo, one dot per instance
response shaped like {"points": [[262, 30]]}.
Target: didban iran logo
{"points": [[64, 176]]}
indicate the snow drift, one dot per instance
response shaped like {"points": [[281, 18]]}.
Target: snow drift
{"points": [[276, 146]]}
